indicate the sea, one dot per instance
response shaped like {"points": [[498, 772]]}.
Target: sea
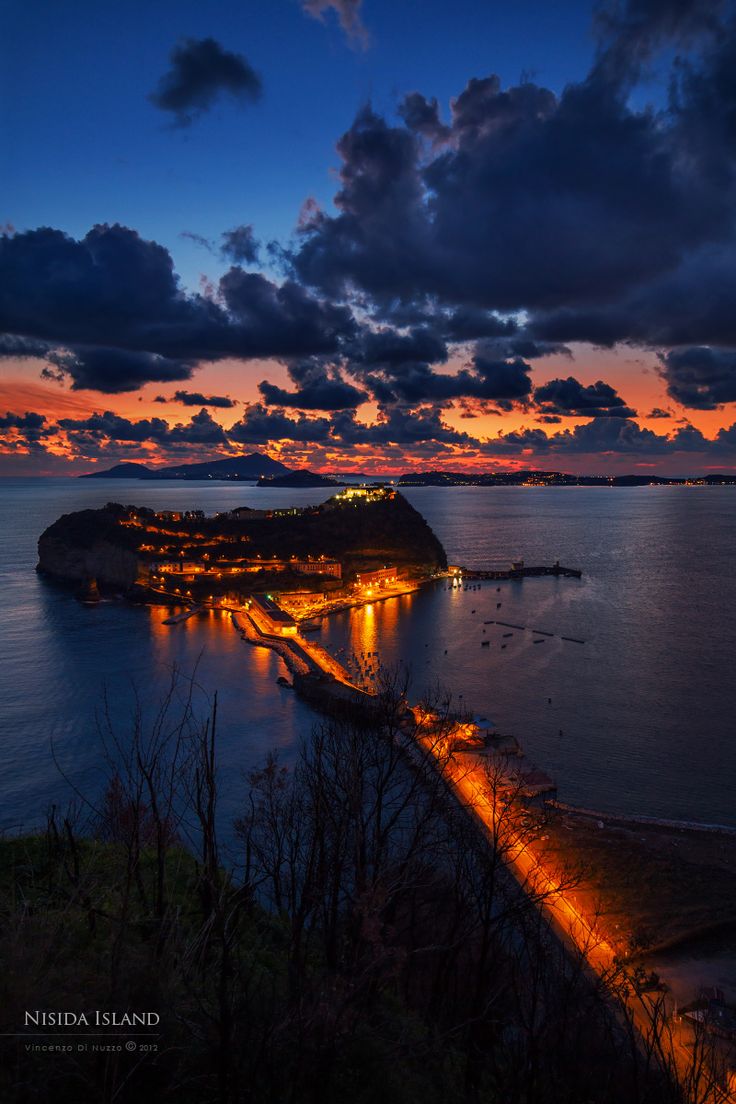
{"points": [[634, 713]]}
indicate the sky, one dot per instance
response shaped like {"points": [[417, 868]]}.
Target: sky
{"points": [[369, 236]]}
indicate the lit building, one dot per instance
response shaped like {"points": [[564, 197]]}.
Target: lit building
{"points": [[365, 492], [382, 576], [269, 616], [186, 567], [317, 567]]}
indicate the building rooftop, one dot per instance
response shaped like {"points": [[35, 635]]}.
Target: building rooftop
{"points": [[266, 603]]}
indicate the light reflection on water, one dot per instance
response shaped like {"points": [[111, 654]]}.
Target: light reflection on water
{"points": [[646, 706]]}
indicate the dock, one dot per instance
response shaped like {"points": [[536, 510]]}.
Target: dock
{"points": [[177, 618], [520, 571]]}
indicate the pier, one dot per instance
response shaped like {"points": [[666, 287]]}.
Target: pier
{"points": [[520, 571]]}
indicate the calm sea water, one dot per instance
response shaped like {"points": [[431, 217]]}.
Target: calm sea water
{"points": [[641, 718]]}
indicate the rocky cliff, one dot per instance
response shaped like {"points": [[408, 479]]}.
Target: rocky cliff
{"points": [[89, 545]]}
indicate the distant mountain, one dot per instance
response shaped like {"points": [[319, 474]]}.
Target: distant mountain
{"points": [[298, 479], [252, 466], [121, 471]]}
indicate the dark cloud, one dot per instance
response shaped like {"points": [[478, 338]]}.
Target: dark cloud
{"points": [[471, 324], [26, 430], [570, 397], [282, 320], [701, 378], [259, 425], [602, 436], [198, 239], [389, 349], [318, 388], [113, 371], [516, 213], [630, 33], [691, 305], [657, 412], [397, 367], [118, 428], [240, 245], [195, 398], [348, 13], [11, 345], [422, 115], [114, 290], [399, 425], [201, 430], [202, 72]]}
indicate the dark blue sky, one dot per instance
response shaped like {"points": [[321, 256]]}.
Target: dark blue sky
{"points": [[516, 234], [85, 145]]}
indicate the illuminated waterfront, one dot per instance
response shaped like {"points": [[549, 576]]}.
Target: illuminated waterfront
{"points": [[652, 607]]}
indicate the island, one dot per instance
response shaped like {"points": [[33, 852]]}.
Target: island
{"points": [[250, 467], [364, 540]]}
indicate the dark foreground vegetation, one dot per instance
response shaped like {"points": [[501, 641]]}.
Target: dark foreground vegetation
{"points": [[357, 940]]}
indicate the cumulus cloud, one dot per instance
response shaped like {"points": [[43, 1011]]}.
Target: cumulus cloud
{"points": [[511, 212], [701, 378], [570, 397], [201, 430], [202, 72], [318, 387], [113, 301], [27, 430], [195, 398], [423, 116], [348, 13], [259, 425], [114, 371], [613, 436], [240, 245]]}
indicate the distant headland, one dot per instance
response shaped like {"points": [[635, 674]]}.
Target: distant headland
{"points": [[259, 468], [250, 467], [531, 477]]}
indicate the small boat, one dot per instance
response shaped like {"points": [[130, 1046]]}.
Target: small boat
{"points": [[498, 605], [572, 639], [485, 643], [537, 641], [508, 634]]}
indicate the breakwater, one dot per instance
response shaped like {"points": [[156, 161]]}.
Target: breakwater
{"points": [[520, 571], [318, 678]]}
